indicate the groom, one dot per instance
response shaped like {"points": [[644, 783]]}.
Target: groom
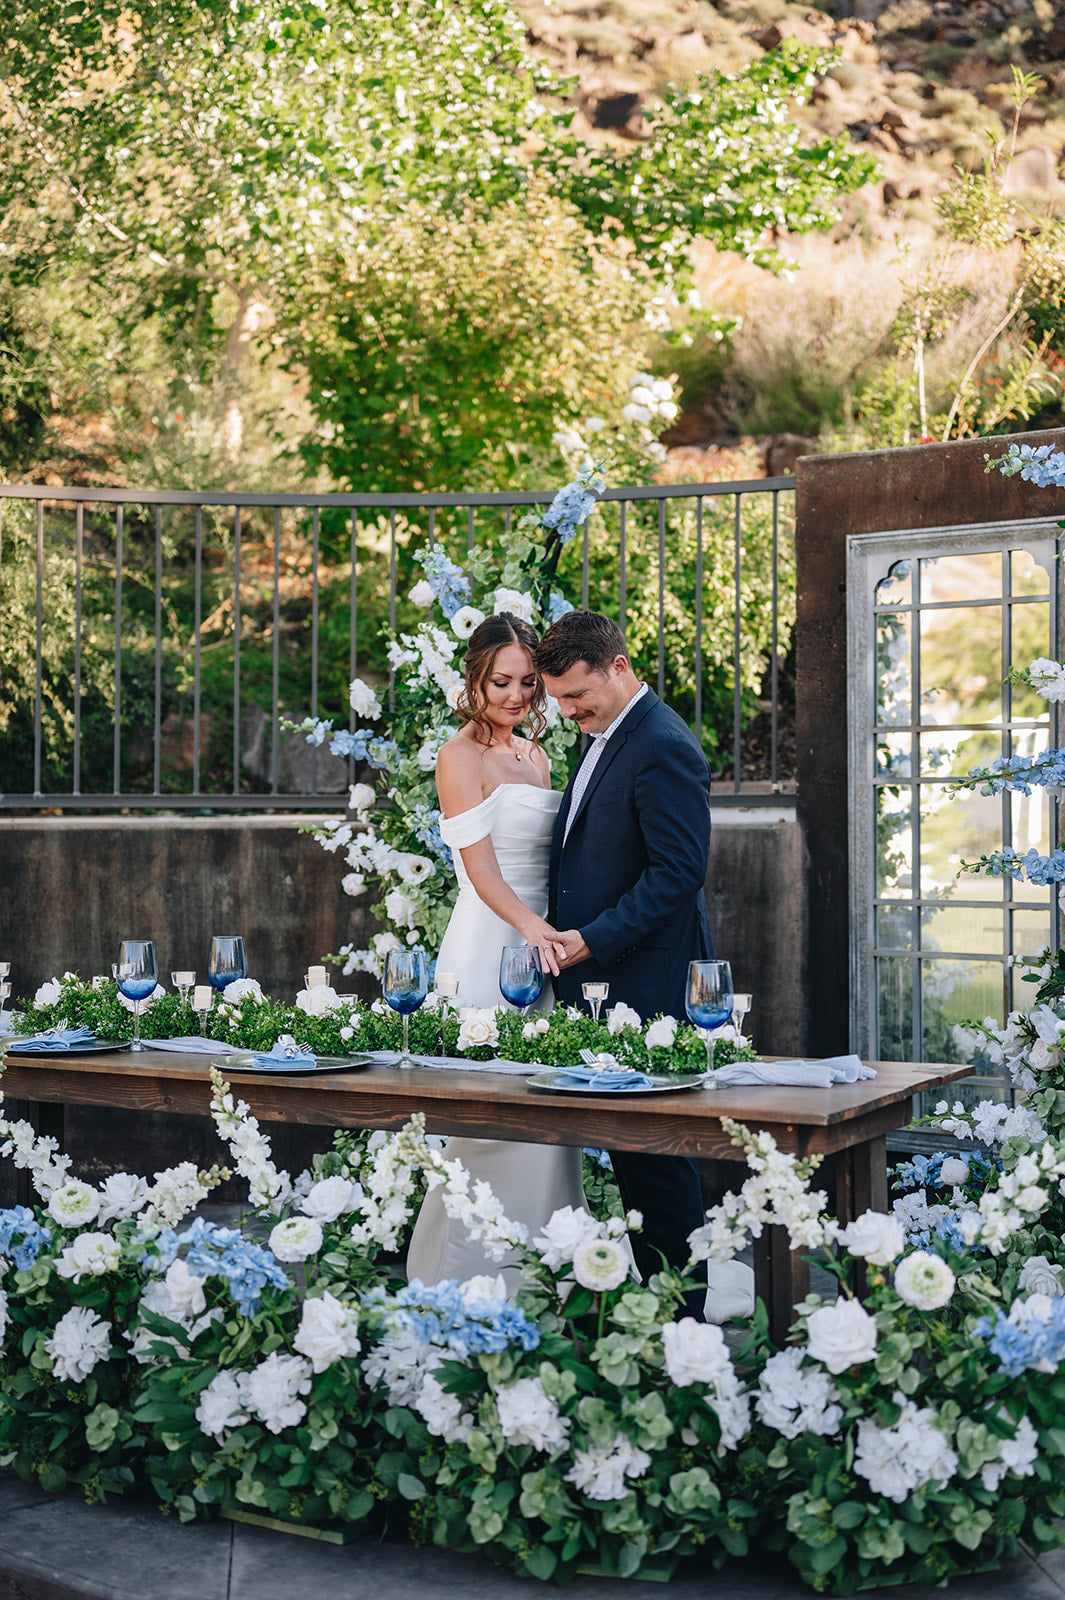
{"points": [[628, 863]]}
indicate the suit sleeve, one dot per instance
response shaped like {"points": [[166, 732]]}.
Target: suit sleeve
{"points": [[672, 796]]}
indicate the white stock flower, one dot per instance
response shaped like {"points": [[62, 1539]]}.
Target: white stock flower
{"points": [[478, 1028], [796, 1398], [661, 1033], [465, 620], [122, 1195], [329, 1198], [897, 1460], [80, 1339], [528, 1415], [240, 989], [363, 700], [273, 1389], [924, 1281], [296, 1239], [175, 1192], [422, 594], [600, 1472], [89, 1255], [328, 1332], [74, 1205], [622, 1016], [876, 1237], [563, 1232], [319, 1001], [400, 909], [514, 601], [600, 1264], [694, 1352], [841, 1335], [1038, 1276]]}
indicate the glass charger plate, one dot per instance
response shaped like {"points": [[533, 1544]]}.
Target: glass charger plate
{"points": [[295, 1068], [661, 1083], [16, 1046]]}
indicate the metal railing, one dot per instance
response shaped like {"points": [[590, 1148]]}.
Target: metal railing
{"points": [[145, 635]]}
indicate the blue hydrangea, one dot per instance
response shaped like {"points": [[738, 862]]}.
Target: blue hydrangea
{"points": [[1018, 1346], [445, 578], [557, 606], [440, 1313], [215, 1252], [569, 510], [21, 1236], [600, 1158], [427, 832]]}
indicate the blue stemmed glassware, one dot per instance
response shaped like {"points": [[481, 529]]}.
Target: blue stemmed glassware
{"points": [[136, 972], [708, 1000], [405, 988], [227, 962], [521, 975]]}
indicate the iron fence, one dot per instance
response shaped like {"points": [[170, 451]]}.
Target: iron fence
{"points": [[151, 642]]}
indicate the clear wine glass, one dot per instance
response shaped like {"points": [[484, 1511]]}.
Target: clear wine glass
{"points": [[228, 961], [5, 969], [521, 975], [741, 1005], [405, 988], [183, 982], [708, 1000], [595, 994], [136, 972]]}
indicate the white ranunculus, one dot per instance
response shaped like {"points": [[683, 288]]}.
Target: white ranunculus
{"points": [[240, 989], [79, 1340], [563, 1231], [515, 601], [364, 701], [879, 1238], [465, 620], [89, 1255], [49, 994], [74, 1205], [122, 1195], [1038, 1276], [622, 1016], [329, 1199], [600, 1264], [528, 1415], [422, 594], [273, 1390], [400, 908], [319, 1001], [478, 1028], [695, 1352], [415, 869], [924, 1280], [662, 1032], [221, 1404], [953, 1171], [296, 1239], [361, 797], [842, 1335], [328, 1332]]}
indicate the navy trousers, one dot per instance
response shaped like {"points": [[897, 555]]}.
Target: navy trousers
{"points": [[667, 1191]]}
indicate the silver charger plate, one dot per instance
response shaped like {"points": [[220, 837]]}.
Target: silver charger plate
{"points": [[17, 1046], [293, 1068], [661, 1083]]}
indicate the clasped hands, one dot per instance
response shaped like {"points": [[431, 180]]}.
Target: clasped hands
{"points": [[559, 950]]}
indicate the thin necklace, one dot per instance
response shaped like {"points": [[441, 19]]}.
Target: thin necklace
{"points": [[515, 752]]}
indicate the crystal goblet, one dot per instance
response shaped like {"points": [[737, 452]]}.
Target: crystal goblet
{"points": [[183, 982], [708, 1000], [136, 972], [406, 985], [228, 960], [521, 975]]}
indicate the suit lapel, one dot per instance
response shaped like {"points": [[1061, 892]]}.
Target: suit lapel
{"points": [[614, 745]]}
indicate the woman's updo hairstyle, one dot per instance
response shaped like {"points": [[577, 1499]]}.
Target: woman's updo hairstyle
{"points": [[486, 641]]}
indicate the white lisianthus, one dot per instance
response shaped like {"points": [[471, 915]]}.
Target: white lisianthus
{"points": [[221, 1404], [80, 1339], [528, 1415], [478, 1028], [924, 1281], [601, 1473], [661, 1033], [1038, 1276], [400, 908], [465, 620], [90, 1256], [423, 593], [564, 1231], [49, 994], [318, 1002], [361, 797], [328, 1332], [695, 1352], [514, 601], [1047, 678], [600, 1264], [122, 1195], [415, 869], [953, 1171], [353, 883], [240, 989], [273, 1390], [455, 694], [364, 701], [296, 1239], [622, 1016], [329, 1199], [74, 1205], [842, 1335], [535, 1029], [184, 1292], [879, 1238]]}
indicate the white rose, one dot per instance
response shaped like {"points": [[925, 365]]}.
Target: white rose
{"points": [[90, 1255], [122, 1195], [622, 1016], [564, 1230], [329, 1199], [600, 1264], [296, 1239], [879, 1238], [240, 989], [319, 1001], [400, 908], [478, 1028], [842, 1335], [364, 701], [185, 1290], [924, 1280], [514, 601], [353, 883], [49, 994], [361, 797], [695, 1352], [455, 694], [465, 620], [422, 594], [1039, 1277], [328, 1332], [662, 1032], [954, 1171]]}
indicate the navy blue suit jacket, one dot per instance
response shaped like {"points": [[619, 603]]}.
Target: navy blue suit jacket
{"points": [[630, 875]]}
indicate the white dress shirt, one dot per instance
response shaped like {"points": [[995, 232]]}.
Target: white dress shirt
{"points": [[588, 765]]}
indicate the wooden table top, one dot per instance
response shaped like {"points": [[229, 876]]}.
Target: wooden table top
{"points": [[491, 1106]]}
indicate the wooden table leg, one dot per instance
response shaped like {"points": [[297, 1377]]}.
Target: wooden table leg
{"points": [[861, 1185], [782, 1279]]}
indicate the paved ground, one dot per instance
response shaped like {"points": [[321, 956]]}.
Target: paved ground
{"points": [[58, 1548]]}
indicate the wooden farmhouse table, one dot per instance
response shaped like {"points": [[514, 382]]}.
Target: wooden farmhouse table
{"points": [[848, 1122]]}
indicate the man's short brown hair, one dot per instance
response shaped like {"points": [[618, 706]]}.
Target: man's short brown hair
{"points": [[580, 636]]}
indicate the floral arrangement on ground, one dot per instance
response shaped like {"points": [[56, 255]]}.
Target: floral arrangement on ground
{"points": [[578, 1422]]}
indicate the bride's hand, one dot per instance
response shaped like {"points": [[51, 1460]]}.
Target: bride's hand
{"points": [[545, 938]]}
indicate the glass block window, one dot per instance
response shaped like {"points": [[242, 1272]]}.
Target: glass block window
{"points": [[943, 617]]}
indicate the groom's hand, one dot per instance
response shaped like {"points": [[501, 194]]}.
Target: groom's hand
{"points": [[574, 947]]}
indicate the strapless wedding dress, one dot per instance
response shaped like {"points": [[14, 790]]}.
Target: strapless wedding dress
{"points": [[530, 1180]]}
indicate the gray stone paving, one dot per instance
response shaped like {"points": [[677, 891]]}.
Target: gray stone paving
{"points": [[58, 1548]]}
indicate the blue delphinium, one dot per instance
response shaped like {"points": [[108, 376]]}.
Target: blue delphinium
{"points": [[1028, 1343], [445, 578], [224, 1252], [21, 1236], [1039, 869], [573, 504], [1019, 773], [443, 1313], [1040, 464]]}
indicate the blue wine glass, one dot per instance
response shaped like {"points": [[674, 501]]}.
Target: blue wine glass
{"points": [[136, 972], [405, 988], [708, 1000], [521, 975], [227, 962]]}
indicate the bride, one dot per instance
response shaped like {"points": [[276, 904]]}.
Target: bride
{"points": [[498, 813]]}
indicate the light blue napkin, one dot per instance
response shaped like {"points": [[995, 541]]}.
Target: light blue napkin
{"points": [[194, 1044], [790, 1074], [285, 1052], [608, 1079], [61, 1038]]}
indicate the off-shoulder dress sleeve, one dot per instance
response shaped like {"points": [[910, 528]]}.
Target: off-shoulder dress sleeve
{"points": [[460, 832]]}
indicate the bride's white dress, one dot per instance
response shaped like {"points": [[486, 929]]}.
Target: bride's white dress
{"points": [[530, 1180]]}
